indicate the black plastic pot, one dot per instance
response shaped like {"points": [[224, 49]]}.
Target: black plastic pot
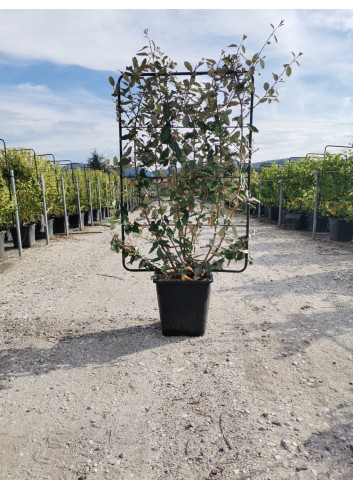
{"points": [[96, 214], [340, 230], [273, 212], [183, 306], [296, 220], [59, 224], [74, 220], [2, 243], [321, 223], [87, 218], [40, 234], [28, 235]]}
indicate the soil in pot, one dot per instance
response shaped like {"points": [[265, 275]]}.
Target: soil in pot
{"points": [[28, 235], [340, 230], [183, 306]]}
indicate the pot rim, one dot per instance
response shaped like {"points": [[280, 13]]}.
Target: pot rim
{"points": [[184, 282]]}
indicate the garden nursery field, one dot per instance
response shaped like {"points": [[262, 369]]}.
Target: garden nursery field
{"points": [[91, 389]]}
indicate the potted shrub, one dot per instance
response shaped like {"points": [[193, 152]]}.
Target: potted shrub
{"points": [[295, 184], [336, 196], [186, 146], [270, 189], [6, 211], [29, 199]]}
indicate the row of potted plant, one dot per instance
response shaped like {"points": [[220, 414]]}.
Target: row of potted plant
{"points": [[299, 180], [27, 170]]}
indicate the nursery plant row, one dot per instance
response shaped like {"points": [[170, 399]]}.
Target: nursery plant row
{"points": [[312, 191], [68, 196], [300, 194]]}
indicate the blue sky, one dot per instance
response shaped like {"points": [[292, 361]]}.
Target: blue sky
{"points": [[55, 63]]}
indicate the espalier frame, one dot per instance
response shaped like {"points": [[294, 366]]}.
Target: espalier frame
{"points": [[248, 168]]}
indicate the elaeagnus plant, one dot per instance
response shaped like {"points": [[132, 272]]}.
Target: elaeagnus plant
{"points": [[186, 146]]}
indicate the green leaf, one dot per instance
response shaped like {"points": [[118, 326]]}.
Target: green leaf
{"points": [[208, 268], [154, 120], [288, 71], [218, 130], [198, 270], [165, 134], [186, 120], [188, 65], [177, 150], [252, 128], [262, 63], [111, 81]]}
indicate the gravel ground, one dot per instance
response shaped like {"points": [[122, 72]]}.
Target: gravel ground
{"points": [[91, 389]]}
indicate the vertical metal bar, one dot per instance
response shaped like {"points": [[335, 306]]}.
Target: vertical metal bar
{"points": [[259, 205], [64, 206], [18, 230], [78, 203], [280, 202], [90, 200], [7, 165], [44, 209], [317, 187], [99, 201]]}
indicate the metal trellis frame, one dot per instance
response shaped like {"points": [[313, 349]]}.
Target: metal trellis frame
{"points": [[247, 225]]}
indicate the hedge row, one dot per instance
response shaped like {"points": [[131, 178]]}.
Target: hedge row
{"points": [[27, 170], [299, 182]]}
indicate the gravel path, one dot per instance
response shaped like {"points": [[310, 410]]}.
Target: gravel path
{"points": [[91, 389]]}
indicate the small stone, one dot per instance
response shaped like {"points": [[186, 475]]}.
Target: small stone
{"points": [[285, 444]]}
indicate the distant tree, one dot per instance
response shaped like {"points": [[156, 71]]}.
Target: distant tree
{"points": [[98, 162]]}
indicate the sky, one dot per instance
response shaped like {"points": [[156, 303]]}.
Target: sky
{"points": [[55, 97]]}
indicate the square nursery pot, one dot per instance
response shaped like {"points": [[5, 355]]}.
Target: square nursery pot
{"points": [[27, 233], [87, 218], [40, 231], [183, 306], [321, 223], [2, 243], [296, 220], [59, 224], [273, 212], [96, 214], [340, 230], [74, 220]]}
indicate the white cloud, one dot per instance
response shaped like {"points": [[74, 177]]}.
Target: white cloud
{"points": [[315, 102], [69, 127]]}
